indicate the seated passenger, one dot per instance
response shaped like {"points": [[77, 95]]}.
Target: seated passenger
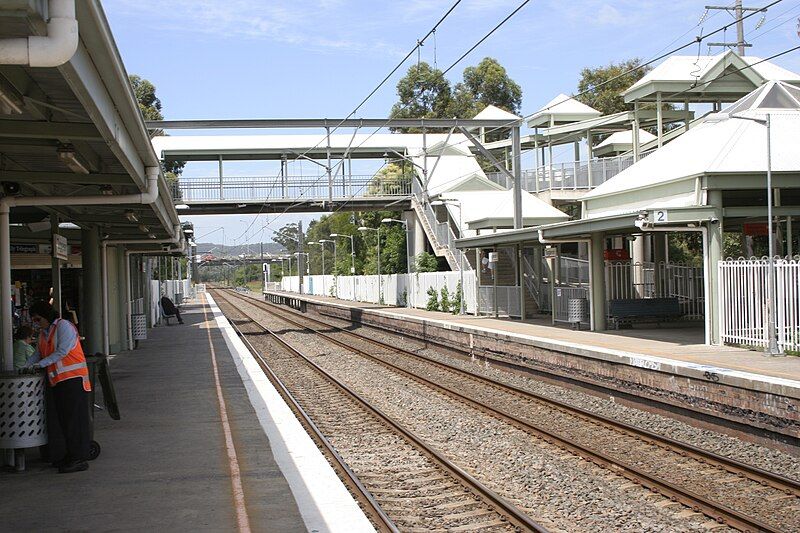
{"points": [[170, 308], [23, 346]]}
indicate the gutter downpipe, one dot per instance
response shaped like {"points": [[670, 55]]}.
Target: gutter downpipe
{"points": [[544, 240], [177, 239], [7, 202], [52, 50]]}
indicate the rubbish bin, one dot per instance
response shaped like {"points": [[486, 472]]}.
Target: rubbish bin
{"points": [[23, 421], [577, 311]]}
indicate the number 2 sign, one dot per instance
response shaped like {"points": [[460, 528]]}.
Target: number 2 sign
{"points": [[660, 216]]}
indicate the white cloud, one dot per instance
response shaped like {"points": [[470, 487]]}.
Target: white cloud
{"points": [[609, 15], [311, 24]]}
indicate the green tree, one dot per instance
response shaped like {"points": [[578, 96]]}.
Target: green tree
{"points": [[424, 92], [392, 179], [486, 84], [608, 98], [426, 262], [150, 106], [287, 237]]}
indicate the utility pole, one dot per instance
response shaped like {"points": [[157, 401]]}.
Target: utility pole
{"points": [[737, 10]]}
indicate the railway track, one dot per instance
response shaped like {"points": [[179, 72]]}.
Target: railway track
{"points": [[401, 483], [730, 492]]}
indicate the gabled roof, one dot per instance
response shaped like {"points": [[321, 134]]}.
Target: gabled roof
{"points": [[560, 110], [726, 76], [621, 141], [724, 144], [488, 209], [491, 112]]}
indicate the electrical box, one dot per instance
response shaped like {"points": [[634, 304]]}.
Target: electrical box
{"points": [[493, 257]]}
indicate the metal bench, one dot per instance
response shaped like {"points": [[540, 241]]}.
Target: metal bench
{"points": [[165, 316], [623, 312]]}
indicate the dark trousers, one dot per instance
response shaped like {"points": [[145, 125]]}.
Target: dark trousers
{"points": [[72, 408], [178, 314]]}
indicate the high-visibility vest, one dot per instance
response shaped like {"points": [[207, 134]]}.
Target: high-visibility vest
{"points": [[72, 365]]}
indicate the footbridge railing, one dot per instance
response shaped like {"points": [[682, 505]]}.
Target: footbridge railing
{"points": [[248, 188]]}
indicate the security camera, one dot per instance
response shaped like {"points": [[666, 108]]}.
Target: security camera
{"points": [[165, 248], [714, 220]]}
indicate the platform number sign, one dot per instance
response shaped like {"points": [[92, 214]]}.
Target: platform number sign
{"points": [[660, 216]]}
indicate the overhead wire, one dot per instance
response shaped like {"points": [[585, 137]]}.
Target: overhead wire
{"points": [[418, 45]]}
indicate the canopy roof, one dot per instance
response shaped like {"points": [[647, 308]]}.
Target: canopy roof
{"points": [[621, 141], [491, 112], [76, 130], [560, 110], [495, 209], [723, 145], [724, 77]]}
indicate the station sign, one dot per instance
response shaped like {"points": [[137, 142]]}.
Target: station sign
{"points": [[24, 248], [60, 247]]}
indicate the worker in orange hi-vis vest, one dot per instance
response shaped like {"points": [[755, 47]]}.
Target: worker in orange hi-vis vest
{"points": [[59, 352]]}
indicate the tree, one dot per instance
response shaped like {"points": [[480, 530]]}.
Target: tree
{"points": [[608, 98], [287, 237], [150, 106], [391, 179], [484, 85], [426, 262], [424, 93]]}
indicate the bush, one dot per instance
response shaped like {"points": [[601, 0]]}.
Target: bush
{"points": [[433, 300], [455, 302], [426, 262], [403, 298], [445, 305]]}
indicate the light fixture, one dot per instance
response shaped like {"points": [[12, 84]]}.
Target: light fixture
{"points": [[66, 153], [151, 235], [144, 229], [107, 190], [131, 216], [181, 206]]}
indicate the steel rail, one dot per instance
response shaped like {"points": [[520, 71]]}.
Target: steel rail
{"points": [[783, 483], [512, 513], [384, 523], [697, 502]]}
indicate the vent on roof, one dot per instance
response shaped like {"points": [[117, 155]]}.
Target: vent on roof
{"points": [[771, 95]]}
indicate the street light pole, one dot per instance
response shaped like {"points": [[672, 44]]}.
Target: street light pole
{"points": [[772, 348], [380, 288], [352, 258]]}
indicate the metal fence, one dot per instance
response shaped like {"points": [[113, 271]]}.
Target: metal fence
{"points": [[562, 297], [194, 189], [627, 280], [572, 175], [507, 300], [743, 302]]}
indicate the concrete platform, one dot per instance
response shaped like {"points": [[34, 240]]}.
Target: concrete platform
{"points": [[665, 364], [179, 458]]}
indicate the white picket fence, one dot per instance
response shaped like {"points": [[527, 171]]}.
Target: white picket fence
{"points": [[743, 302], [395, 289]]}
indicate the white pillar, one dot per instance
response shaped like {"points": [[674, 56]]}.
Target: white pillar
{"points": [[637, 264], [659, 120], [597, 282], [713, 255]]}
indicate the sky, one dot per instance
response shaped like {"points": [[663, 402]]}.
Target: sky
{"points": [[319, 58]]}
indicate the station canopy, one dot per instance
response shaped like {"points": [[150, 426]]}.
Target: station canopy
{"points": [[725, 151], [494, 209], [76, 130], [561, 110], [621, 142], [724, 77]]}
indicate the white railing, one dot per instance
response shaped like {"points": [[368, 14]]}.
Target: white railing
{"points": [[443, 235], [395, 289], [572, 175], [627, 280], [233, 188], [507, 300], [743, 302]]}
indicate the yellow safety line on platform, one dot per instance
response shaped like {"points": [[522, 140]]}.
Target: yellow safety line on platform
{"points": [[242, 521]]}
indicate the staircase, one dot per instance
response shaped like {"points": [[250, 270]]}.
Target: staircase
{"points": [[439, 234]]}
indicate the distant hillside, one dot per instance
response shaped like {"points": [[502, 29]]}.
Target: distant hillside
{"points": [[251, 249]]}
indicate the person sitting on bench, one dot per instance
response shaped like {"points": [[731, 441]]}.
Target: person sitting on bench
{"points": [[170, 309]]}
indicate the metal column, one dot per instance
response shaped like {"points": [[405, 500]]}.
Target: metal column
{"points": [[517, 158], [597, 282], [92, 302]]}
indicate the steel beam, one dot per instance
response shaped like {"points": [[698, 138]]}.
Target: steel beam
{"points": [[35, 129], [65, 177], [430, 123]]}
